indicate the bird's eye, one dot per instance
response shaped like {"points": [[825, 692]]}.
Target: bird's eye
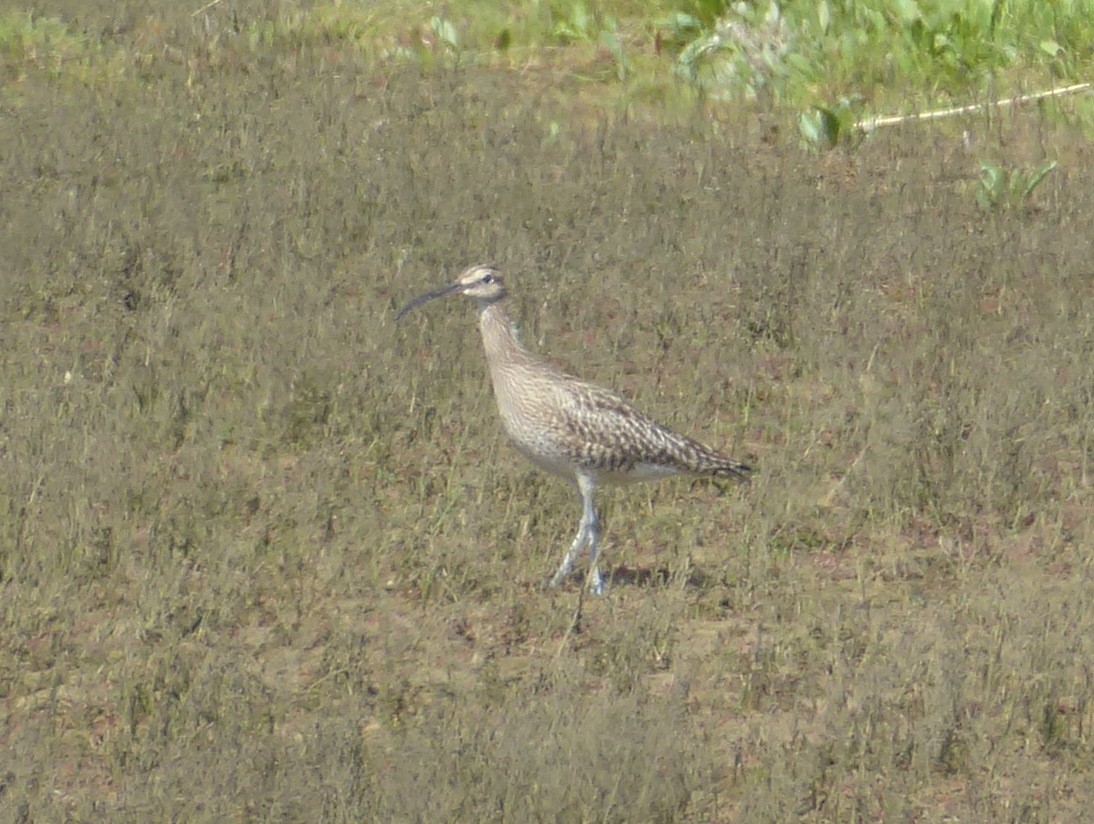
{"points": [[487, 278]]}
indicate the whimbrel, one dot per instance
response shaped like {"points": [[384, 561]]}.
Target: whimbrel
{"points": [[569, 427]]}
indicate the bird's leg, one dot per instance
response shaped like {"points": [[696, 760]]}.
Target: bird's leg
{"points": [[588, 535], [596, 584], [567, 564], [592, 531]]}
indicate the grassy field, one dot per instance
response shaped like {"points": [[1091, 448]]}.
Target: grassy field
{"points": [[265, 556]]}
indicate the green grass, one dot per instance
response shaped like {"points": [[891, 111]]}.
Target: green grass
{"points": [[265, 555], [877, 57], [799, 53], [46, 44]]}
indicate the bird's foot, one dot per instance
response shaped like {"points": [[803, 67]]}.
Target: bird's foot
{"points": [[593, 579], [558, 578], [596, 583]]}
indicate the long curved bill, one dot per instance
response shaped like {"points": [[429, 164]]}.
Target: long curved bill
{"points": [[444, 291]]}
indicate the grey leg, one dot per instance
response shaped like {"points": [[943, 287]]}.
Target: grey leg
{"points": [[592, 532], [567, 564], [588, 535]]}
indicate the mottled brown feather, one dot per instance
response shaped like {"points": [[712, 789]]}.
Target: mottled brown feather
{"points": [[566, 424]]}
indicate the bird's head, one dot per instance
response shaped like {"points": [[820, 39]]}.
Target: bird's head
{"points": [[481, 283]]}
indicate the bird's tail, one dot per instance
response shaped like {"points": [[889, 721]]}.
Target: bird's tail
{"points": [[708, 462]]}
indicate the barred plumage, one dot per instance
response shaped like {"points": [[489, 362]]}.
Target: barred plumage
{"points": [[570, 427]]}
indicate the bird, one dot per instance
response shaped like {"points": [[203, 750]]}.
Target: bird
{"points": [[570, 427]]}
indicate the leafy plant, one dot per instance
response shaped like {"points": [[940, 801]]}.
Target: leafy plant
{"points": [[1002, 188], [678, 30], [610, 40], [688, 22], [823, 127], [744, 50], [576, 24], [445, 32]]}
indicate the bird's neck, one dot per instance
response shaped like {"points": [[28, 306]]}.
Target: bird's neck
{"points": [[500, 338]]}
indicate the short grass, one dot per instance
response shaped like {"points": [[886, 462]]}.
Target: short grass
{"points": [[265, 556]]}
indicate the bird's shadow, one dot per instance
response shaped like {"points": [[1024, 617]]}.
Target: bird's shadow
{"points": [[655, 577]]}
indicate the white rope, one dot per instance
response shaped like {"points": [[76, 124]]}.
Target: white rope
{"points": [[869, 124]]}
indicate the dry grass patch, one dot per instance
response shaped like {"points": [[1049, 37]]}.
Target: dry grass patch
{"points": [[264, 556]]}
